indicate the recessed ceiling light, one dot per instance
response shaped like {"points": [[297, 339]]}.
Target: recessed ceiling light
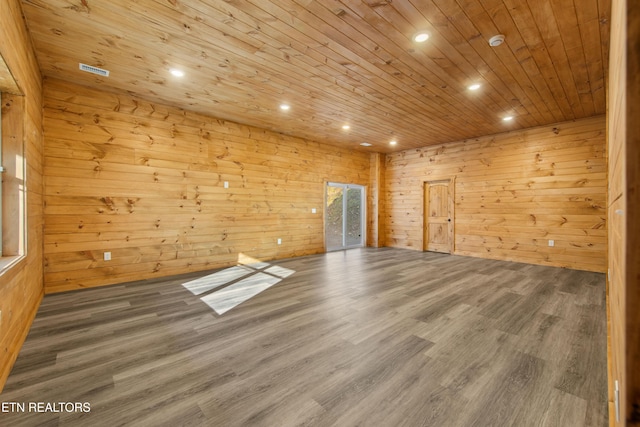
{"points": [[393, 142], [475, 86], [421, 36], [507, 118], [365, 144], [346, 127], [176, 72], [285, 107]]}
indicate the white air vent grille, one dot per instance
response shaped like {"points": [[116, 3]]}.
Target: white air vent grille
{"points": [[94, 70]]}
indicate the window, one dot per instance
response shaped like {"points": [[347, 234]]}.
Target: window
{"points": [[13, 188]]}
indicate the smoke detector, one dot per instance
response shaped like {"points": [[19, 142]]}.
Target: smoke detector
{"points": [[496, 40]]}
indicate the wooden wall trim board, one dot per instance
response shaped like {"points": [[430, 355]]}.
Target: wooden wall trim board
{"points": [[375, 208], [513, 193], [624, 212], [146, 182], [617, 202], [21, 287], [632, 158]]}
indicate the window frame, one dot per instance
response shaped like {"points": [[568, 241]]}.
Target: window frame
{"points": [[13, 182]]}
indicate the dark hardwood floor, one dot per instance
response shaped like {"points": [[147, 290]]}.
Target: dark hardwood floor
{"points": [[370, 337]]}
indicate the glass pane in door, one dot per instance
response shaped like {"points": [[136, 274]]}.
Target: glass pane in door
{"points": [[354, 217], [335, 209]]}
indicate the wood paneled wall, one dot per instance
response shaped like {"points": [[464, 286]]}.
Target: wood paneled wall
{"points": [[376, 199], [21, 287], [624, 212], [513, 192], [146, 182]]}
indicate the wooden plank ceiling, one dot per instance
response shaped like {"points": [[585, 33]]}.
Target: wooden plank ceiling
{"points": [[340, 62]]}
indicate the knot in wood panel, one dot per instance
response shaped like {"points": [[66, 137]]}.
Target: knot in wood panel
{"points": [[109, 203]]}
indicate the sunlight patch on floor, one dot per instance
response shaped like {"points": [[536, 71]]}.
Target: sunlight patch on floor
{"points": [[232, 286]]}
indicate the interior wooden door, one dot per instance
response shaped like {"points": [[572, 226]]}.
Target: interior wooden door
{"points": [[438, 216]]}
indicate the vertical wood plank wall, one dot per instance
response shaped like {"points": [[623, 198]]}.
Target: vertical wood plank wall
{"points": [[632, 158], [513, 192], [617, 202], [146, 182], [624, 211], [21, 287], [375, 205]]}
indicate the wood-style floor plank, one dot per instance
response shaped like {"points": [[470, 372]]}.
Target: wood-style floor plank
{"points": [[376, 337]]}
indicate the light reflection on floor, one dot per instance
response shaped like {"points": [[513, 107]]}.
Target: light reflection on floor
{"points": [[238, 284]]}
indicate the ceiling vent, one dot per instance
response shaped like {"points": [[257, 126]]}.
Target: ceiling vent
{"points": [[94, 70]]}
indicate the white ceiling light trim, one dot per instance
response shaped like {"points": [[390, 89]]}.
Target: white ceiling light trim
{"points": [[421, 36]]}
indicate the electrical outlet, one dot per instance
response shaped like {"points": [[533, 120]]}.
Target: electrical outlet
{"points": [[226, 184], [107, 256], [552, 243], [279, 241], [313, 210]]}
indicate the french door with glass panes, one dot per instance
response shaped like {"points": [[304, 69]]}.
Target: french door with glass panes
{"points": [[345, 216]]}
